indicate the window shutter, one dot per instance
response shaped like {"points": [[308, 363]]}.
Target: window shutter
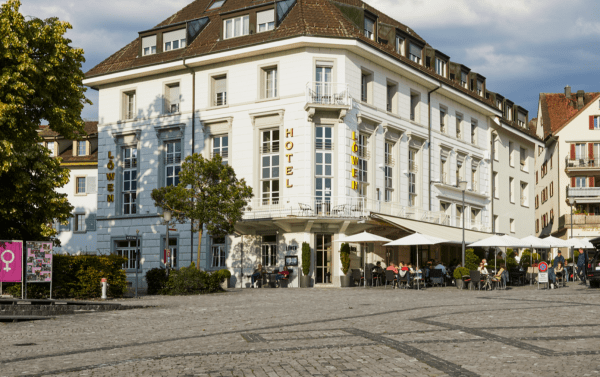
{"points": [[265, 16], [174, 91], [592, 182], [91, 183], [90, 222], [572, 151], [591, 122], [591, 151], [572, 181]]}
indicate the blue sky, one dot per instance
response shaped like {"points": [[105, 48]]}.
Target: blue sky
{"points": [[521, 47]]}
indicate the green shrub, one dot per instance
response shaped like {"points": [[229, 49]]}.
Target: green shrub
{"points": [[345, 257], [527, 256], [78, 276], [459, 272], [189, 281], [305, 258], [576, 254], [222, 274], [471, 260], [156, 279]]}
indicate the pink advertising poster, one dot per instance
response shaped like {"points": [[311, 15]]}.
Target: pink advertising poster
{"points": [[11, 261], [39, 262]]}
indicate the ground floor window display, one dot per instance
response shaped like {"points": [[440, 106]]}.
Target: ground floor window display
{"points": [[323, 258], [219, 247], [269, 251], [127, 249]]}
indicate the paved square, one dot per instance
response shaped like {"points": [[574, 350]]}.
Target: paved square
{"points": [[320, 332]]}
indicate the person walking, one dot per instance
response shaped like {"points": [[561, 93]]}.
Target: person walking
{"points": [[581, 266]]}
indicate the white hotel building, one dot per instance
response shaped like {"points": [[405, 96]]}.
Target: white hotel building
{"points": [[339, 117]]}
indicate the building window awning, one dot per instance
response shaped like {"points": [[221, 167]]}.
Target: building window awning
{"points": [[441, 231]]}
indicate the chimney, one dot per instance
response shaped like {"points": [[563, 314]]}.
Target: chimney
{"points": [[568, 91], [580, 95]]}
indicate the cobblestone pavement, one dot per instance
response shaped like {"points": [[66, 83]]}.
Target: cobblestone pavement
{"points": [[320, 332]]}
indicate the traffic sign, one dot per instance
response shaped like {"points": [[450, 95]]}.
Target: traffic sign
{"points": [[543, 267]]}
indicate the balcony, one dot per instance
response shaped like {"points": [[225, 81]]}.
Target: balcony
{"points": [[581, 164], [584, 192], [581, 220], [328, 94]]}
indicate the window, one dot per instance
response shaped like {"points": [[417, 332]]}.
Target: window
{"points": [[415, 98], [149, 45], [221, 147], [173, 247], [129, 181], [269, 82], [474, 181], [265, 20], [440, 67], [216, 4], [81, 148], [459, 119], [580, 151], [50, 146], [524, 201], [270, 167], [80, 185], [391, 94], [496, 223], [389, 162], [596, 123], [219, 90], [323, 164], [443, 120], [499, 104], [323, 87], [362, 164], [523, 159], [172, 98], [537, 201], [236, 27], [495, 185], [473, 131], [537, 225], [463, 79], [79, 223], [414, 53], [580, 181], [129, 105], [369, 28], [127, 249], [400, 45], [218, 251], [365, 86], [511, 189], [512, 225], [459, 213], [173, 162], [412, 177], [509, 111], [174, 40], [480, 87], [269, 251], [521, 119], [511, 157], [475, 212], [551, 189]]}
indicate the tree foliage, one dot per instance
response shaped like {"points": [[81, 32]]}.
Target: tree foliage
{"points": [[208, 194], [40, 80], [345, 257]]}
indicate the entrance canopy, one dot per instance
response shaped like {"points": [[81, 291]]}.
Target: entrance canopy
{"points": [[451, 234]]}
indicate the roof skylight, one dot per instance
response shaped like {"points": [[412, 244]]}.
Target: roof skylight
{"points": [[216, 4]]}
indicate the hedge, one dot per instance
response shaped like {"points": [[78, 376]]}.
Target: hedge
{"points": [[184, 281], [78, 276]]}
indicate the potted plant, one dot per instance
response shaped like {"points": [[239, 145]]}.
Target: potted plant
{"points": [[305, 279], [224, 277], [459, 272], [345, 279]]}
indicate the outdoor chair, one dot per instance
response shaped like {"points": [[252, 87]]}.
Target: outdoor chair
{"points": [[357, 276], [390, 278], [516, 276], [436, 276], [305, 209], [404, 281], [560, 279], [475, 277], [375, 279]]}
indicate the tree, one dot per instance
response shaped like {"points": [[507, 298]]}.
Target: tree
{"points": [[208, 194], [40, 80]]}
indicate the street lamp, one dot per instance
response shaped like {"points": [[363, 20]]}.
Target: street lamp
{"points": [[167, 217], [462, 185]]}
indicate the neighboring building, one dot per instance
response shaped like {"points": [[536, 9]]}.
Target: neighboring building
{"points": [[81, 158], [340, 118], [569, 165]]}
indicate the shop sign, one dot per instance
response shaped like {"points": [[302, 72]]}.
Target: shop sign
{"points": [[289, 146], [354, 160], [110, 177]]}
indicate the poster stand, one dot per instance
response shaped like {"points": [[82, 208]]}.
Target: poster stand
{"points": [[39, 263], [11, 256]]}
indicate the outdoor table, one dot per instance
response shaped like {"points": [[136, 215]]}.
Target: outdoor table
{"points": [[271, 277]]}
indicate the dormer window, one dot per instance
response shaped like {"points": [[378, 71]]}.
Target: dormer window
{"points": [[236, 27], [265, 20], [499, 104], [174, 40], [369, 28], [400, 45], [81, 148], [440, 67], [522, 119], [149, 45], [463, 80], [414, 53], [216, 4], [480, 87]]}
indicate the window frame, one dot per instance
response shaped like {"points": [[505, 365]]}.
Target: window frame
{"points": [[474, 127], [366, 32], [131, 194], [181, 42], [79, 223], [221, 149], [268, 259], [388, 170], [443, 119], [245, 29], [270, 25], [221, 248], [269, 150], [214, 96], [77, 192], [168, 98], [324, 148], [175, 163], [129, 105], [266, 93], [459, 125], [131, 250]]}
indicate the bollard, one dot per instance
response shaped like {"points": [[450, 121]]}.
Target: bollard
{"points": [[104, 284]]}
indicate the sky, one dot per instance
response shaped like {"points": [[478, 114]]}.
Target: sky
{"points": [[522, 47]]}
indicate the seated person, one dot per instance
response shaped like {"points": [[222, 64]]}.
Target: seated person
{"points": [[257, 274], [377, 270], [282, 274], [482, 269], [392, 267], [554, 272], [500, 276], [559, 259], [403, 269]]}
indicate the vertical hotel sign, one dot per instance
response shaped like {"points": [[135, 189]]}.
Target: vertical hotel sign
{"points": [[354, 160], [289, 146], [110, 177]]}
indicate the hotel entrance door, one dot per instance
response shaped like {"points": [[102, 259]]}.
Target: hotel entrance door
{"points": [[323, 259]]}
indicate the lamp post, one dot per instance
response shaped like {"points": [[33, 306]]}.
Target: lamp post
{"points": [[571, 201], [462, 185], [167, 217]]}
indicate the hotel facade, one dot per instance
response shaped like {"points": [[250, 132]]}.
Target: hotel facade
{"points": [[339, 117]]}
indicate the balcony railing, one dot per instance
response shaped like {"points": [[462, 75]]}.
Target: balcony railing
{"points": [[347, 207], [583, 192], [581, 163], [328, 93]]}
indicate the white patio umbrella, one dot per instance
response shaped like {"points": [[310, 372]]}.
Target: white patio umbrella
{"points": [[498, 241], [364, 237], [537, 243], [417, 239]]}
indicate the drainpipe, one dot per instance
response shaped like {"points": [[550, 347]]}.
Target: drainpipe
{"points": [[492, 181], [193, 150], [429, 126]]}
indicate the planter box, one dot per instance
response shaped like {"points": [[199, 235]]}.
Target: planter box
{"points": [[346, 281], [305, 281]]}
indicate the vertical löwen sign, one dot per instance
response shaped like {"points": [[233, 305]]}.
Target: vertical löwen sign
{"points": [[354, 160]]}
